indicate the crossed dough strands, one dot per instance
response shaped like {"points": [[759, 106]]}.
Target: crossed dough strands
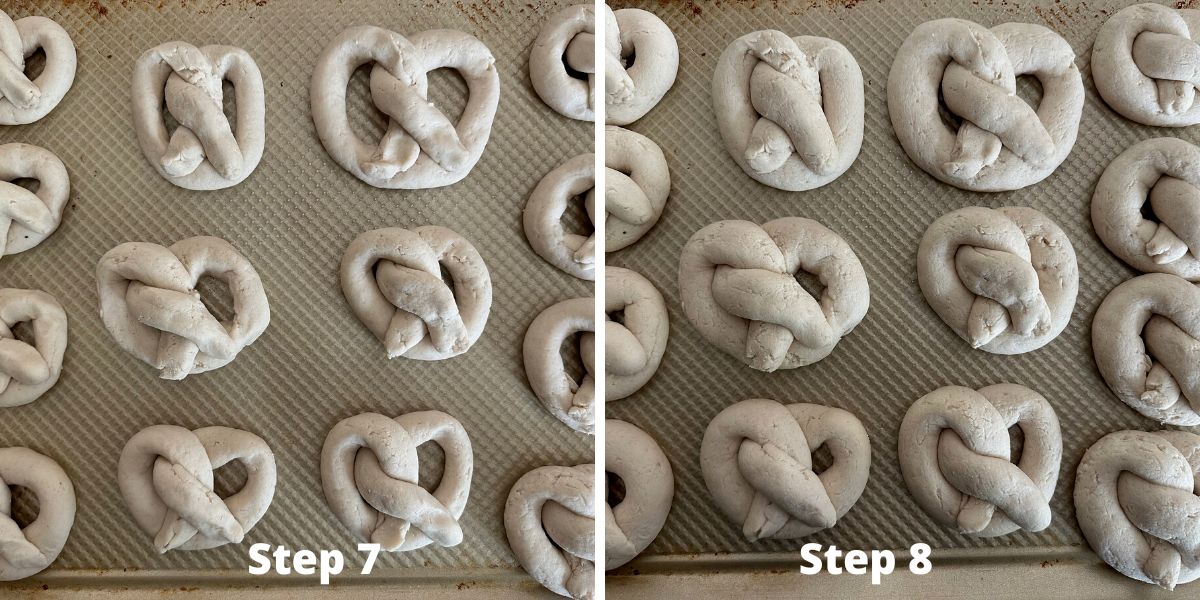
{"points": [[166, 478], [549, 519], [25, 552], [737, 280], [572, 402], [369, 471], [1146, 64], [955, 456], [421, 147], [572, 253], [637, 183], [632, 89], [27, 369], [28, 218], [1005, 280], [1002, 142], [1136, 499], [568, 39], [149, 303], [634, 346], [204, 152], [1166, 173], [23, 101], [635, 521], [1146, 339], [789, 109], [392, 279]]}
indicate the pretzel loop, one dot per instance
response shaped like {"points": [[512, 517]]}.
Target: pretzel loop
{"points": [[23, 101], [548, 518], [25, 552], [28, 369], [1146, 64], [634, 346], [570, 401]]}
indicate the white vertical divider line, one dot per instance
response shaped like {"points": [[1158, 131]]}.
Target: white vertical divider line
{"points": [[601, 495]]}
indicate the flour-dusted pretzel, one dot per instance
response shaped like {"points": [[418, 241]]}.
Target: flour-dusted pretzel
{"points": [[369, 468], [27, 551], [1004, 279], [756, 458], [570, 401], [790, 109], [392, 279], [648, 484], [739, 289], [568, 41], [28, 218], [1137, 495], [421, 148], [647, 60], [955, 456], [27, 369], [205, 152], [1002, 143], [549, 519], [637, 183], [634, 344], [23, 101], [1146, 338], [1166, 173], [166, 478], [1146, 64], [573, 253], [149, 303]]}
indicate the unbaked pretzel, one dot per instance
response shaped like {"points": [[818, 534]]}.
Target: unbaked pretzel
{"points": [[29, 550], [572, 402], [30, 217], [649, 486], [635, 88], [1146, 64], [633, 346], [637, 183], [27, 369], [573, 253], [549, 519], [23, 101], [568, 40]]}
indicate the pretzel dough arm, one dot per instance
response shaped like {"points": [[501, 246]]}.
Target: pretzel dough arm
{"points": [[625, 354], [783, 99], [22, 362], [418, 117], [1174, 374], [1005, 487], [1007, 279], [16, 550], [790, 488], [15, 86], [24, 207], [411, 506], [759, 295], [580, 53], [994, 109], [1176, 203], [625, 199], [1174, 62], [1170, 514], [426, 297], [183, 315], [204, 131]]}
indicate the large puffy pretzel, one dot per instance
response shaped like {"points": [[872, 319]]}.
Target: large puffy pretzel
{"points": [[149, 303], [568, 40], [737, 280], [549, 519], [1146, 64], [27, 370], [1166, 173], [24, 552], [790, 109], [1137, 495], [369, 469], [756, 459], [633, 346], [637, 183], [1005, 280], [570, 401], [955, 456], [28, 218], [629, 526], [205, 152], [573, 253], [633, 89], [166, 477], [421, 148], [23, 101], [392, 279], [1146, 338], [1002, 142]]}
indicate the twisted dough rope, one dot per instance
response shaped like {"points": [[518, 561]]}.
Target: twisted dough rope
{"points": [[1165, 172], [568, 40], [1146, 338], [28, 218], [737, 280], [166, 478], [1136, 499], [572, 253], [421, 147], [649, 486], [955, 458], [1005, 280], [23, 101], [633, 346], [28, 370], [149, 303], [569, 401], [24, 552], [392, 279], [549, 519], [1146, 64], [637, 183], [789, 109], [204, 152], [369, 468], [633, 88], [1002, 143]]}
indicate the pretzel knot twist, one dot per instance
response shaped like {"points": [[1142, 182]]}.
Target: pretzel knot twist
{"points": [[639, 515], [369, 471], [166, 478], [633, 346], [1002, 142], [1005, 280], [204, 152], [637, 183], [392, 279], [149, 303], [1166, 173], [24, 552], [789, 109], [568, 40], [26, 217], [549, 519], [543, 219], [23, 101], [572, 402], [642, 60], [1146, 64], [1146, 338], [739, 289], [27, 369], [955, 458], [421, 147], [1137, 495]]}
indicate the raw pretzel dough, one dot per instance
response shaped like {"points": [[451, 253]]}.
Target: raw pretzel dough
{"points": [[549, 519], [23, 101], [573, 253], [28, 370], [28, 551], [633, 347], [635, 521], [1146, 64], [569, 401], [1004, 279], [637, 183], [631, 90], [568, 39], [421, 147], [790, 109], [28, 217], [1002, 143]]}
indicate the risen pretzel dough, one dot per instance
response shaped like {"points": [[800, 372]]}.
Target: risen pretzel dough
{"points": [[23, 101], [568, 39], [637, 183], [30, 217], [549, 519], [573, 253], [633, 347], [569, 401], [1146, 64], [635, 521], [27, 370], [632, 89], [26, 552]]}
